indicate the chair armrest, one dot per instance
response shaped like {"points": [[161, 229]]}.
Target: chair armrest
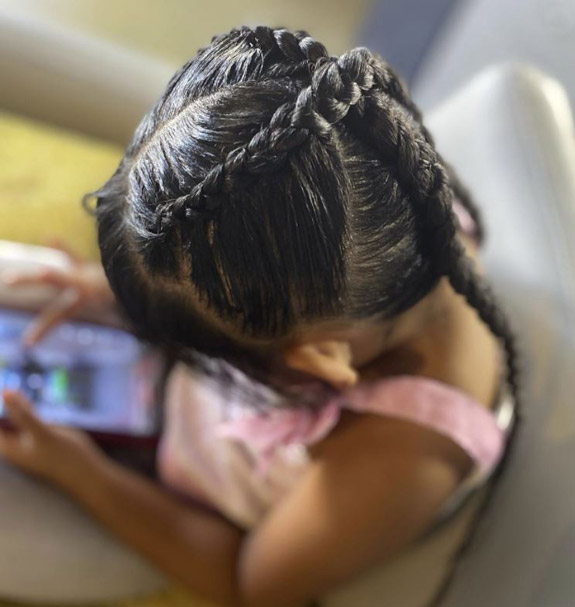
{"points": [[73, 80], [509, 133]]}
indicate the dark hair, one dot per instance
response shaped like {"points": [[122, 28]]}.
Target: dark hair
{"points": [[280, 185]]}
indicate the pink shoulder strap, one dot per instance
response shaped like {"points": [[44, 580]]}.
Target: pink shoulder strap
{"points": [[438, 406], [421, 400]]}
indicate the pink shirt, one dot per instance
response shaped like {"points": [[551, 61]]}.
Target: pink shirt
{"points": [[241, 463]]}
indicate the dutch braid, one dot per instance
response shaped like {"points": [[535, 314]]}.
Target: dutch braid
{"points": [[294, 47], [422, 174], [390, 83], [300, 50], [336, 85]]}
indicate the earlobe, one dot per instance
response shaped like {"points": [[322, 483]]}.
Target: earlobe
{"points": [[327, 360]]}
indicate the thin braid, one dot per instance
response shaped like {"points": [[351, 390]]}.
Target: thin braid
{"points": [[422, 175], [290, 126], [294, 47], [479, 294], [336, 85]]}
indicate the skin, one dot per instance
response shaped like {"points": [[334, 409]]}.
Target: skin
{"points": [[336, 522]]}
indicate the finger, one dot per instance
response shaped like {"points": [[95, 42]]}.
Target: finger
{"points": [[20, 413], [60, 309], [58, 243], [49, 276]]}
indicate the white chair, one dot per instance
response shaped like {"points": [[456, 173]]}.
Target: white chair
{"points": [[511, 136], [67, 78]]}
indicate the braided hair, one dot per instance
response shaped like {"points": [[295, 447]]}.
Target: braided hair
{"points": [[278, 185]]}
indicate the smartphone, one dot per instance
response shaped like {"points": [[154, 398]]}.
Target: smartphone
{"points": [[93, 377]]}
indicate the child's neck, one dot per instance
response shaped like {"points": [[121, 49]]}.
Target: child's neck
{"points": [[452, 345]]}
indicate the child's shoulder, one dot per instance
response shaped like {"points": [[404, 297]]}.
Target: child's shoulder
{"points": [[455, 348], [415, 417], [376, 439], [374, 485]]}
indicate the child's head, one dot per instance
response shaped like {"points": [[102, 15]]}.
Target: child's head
{"points": [[275, 192]]}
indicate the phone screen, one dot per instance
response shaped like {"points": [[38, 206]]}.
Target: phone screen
{"points": [[85, 375]]}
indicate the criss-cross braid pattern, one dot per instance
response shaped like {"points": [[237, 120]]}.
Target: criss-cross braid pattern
{"points": [[336, 85], [363, 83]]}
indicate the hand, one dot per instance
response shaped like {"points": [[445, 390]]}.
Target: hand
{"points": [[83, 285], [61, 455]]}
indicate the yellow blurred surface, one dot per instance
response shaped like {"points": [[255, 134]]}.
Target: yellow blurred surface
{"points": [[44, 172]]}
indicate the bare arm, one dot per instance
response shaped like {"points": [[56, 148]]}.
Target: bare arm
{"points": [[374, 485], [196, 547]]}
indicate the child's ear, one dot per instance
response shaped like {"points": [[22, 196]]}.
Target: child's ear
{"points": [[327, 360]]}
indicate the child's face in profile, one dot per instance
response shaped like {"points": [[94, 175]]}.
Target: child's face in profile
{"points": [[335, 353]]}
